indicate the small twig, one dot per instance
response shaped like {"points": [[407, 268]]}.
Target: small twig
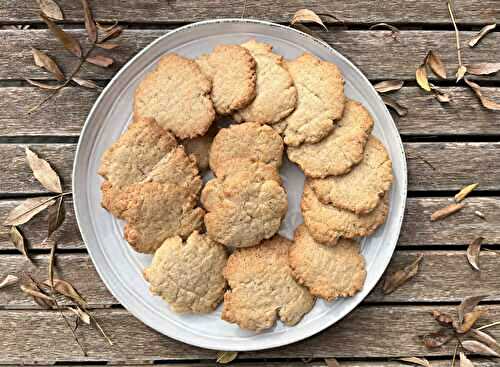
{"points": [[244, 8], [67, 323], [455, 353], [489, 325], [100, 328], [423, 160], [457, 35]]}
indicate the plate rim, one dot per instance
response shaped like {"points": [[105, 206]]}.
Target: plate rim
{"points": [[201, 342]]}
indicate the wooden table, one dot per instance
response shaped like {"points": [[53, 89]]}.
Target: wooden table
{"points": [[447, 146]]}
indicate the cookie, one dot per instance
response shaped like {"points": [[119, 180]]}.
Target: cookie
{"points": [[362, 189], [188, 274], [199, 147], [262, 287], [156, 211], [232, 70], [341, 149], [257, 169], [320, 88], [177, 95], [248, 140], [327, 271], [243, 209], [327, 224], [276, 96]]}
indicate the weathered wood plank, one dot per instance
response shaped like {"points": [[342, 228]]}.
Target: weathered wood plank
{"points": [[444, 276], [349, 11], [42, 337], [395, 58], [65, 115]]}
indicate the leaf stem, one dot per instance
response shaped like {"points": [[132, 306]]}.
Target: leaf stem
{"points": [[457, 35], [489, 325], [67, 323]]}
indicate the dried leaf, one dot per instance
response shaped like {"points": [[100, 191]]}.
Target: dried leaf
{"points": [[392, 103], [440, 95], [473, 252], [462, 69], [442, 318], [226, 357], [483, 68], [470, 319], [66, 289], [418, 361], [332, 362], [486, 102], [43, 172], [45, 61], [388, 86], [477, 347], [446, 211], [52, 258], [464, 361], [468, 304], [111, 33], [100, 60], [66, 39], [106, 28], [385, 25], [421, 75], [480, 214], [82, 315], [18, 240], [484, 338], [479, 36], [41, 298], [51, 9], [85, 83], [107, 45], [307, 16], [436, 65], [400, 277], [89, 22], [44, 85], [27, 210], [438, 339], [56, 216], [8, 280], [462, 194]]}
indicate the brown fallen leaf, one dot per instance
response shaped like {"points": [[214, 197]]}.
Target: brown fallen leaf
{"points": [[434, 61], [27, 210], [388, 86], [486, 102], [400, 277], [89, 22], [43, 172], [66, 39], [477, 347], [307, 16], [17, 240], [415, 360], [464, 361], [446, 211], [462, 194], [442, 318], [439, 338], [66, 289], [473, 252], [462, 69], [484, 338], [44, 85], [82, 315], [85, 83], [441, 96], [226, 357], [332, 362], [107, 45], [479, 36], [40, 298], [100, 60], [111, 33], [395, 105], [8, 280], [106, 28], [470, 319], [45, 61], [55, 216], [421, 75], [50, 9], [486, 68], [468, 304]]}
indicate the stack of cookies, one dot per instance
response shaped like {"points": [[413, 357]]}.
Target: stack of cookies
{"points": [[219, 242]]}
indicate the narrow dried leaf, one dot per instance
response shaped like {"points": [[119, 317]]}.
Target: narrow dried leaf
{"points": [[473, 252], [56, 216], [111, 33], [89, 22], [388, 86], [100, 60], [52, 258], [486, 68], [44, 85], [51, 9], [484, 338], [400, 277], [442, 318], [486, 102], [470, 319], [436, 65], [332, 362], [446, 211], [66, 39], [226, 357], [41, 298], [107, 45], [479, 36], [418, 361], [27, 210], [438, 339], [82, 315], [462, 69], [106, 28], [8, 280], [462, 194], [66, 289], [85, 83], [18, 240], [43, 172], [307, 16], [464, 361], [45, 61], [392, 103], [480, 214], [421, 75], [477, 347], [468, 304]]}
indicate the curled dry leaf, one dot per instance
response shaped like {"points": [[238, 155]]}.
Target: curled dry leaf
{"points": [[388, 86], [226, 357], [468, 304], [41, 298], [400, 277], [106, 28], [462, 69], [82, 315], [464, 361], [473, 252], [421, 75], [100, 60], [27, 210], [477, 347], [486, 68], [480, 214], [8, 280], [89, 22], [85, 83], [462, 194], [484, 338], [45, 61], [56, 216], [44, 85], [479, 36], [51, 9], [442, 318], [107, 45], [43, 172], [332, 362], [66, 39], [18, 240], [470, 319], [307, 16], [415, 360], [486, 102], [395, 105], [66, 289], [438, 339], [111, 33], [434, 61], [446, 211]]}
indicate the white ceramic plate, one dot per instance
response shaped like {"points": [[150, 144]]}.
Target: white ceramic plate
{"points": [[121, 268]]}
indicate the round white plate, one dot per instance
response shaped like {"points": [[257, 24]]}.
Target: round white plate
{"points": [[121, 268]]}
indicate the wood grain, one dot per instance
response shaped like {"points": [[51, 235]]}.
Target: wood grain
{"points": [[394, 58], [42, 337], [398, 11]]}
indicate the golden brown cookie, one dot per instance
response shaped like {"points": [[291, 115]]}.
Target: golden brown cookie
{"points": [[257, 169], [327, 224], [243, 209], [177, 95], [320, 88], [248, 140], [188, 274], [262, 287], [327, 271], [341, 149], [232, 70], [276, 96], [362, 189]]}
